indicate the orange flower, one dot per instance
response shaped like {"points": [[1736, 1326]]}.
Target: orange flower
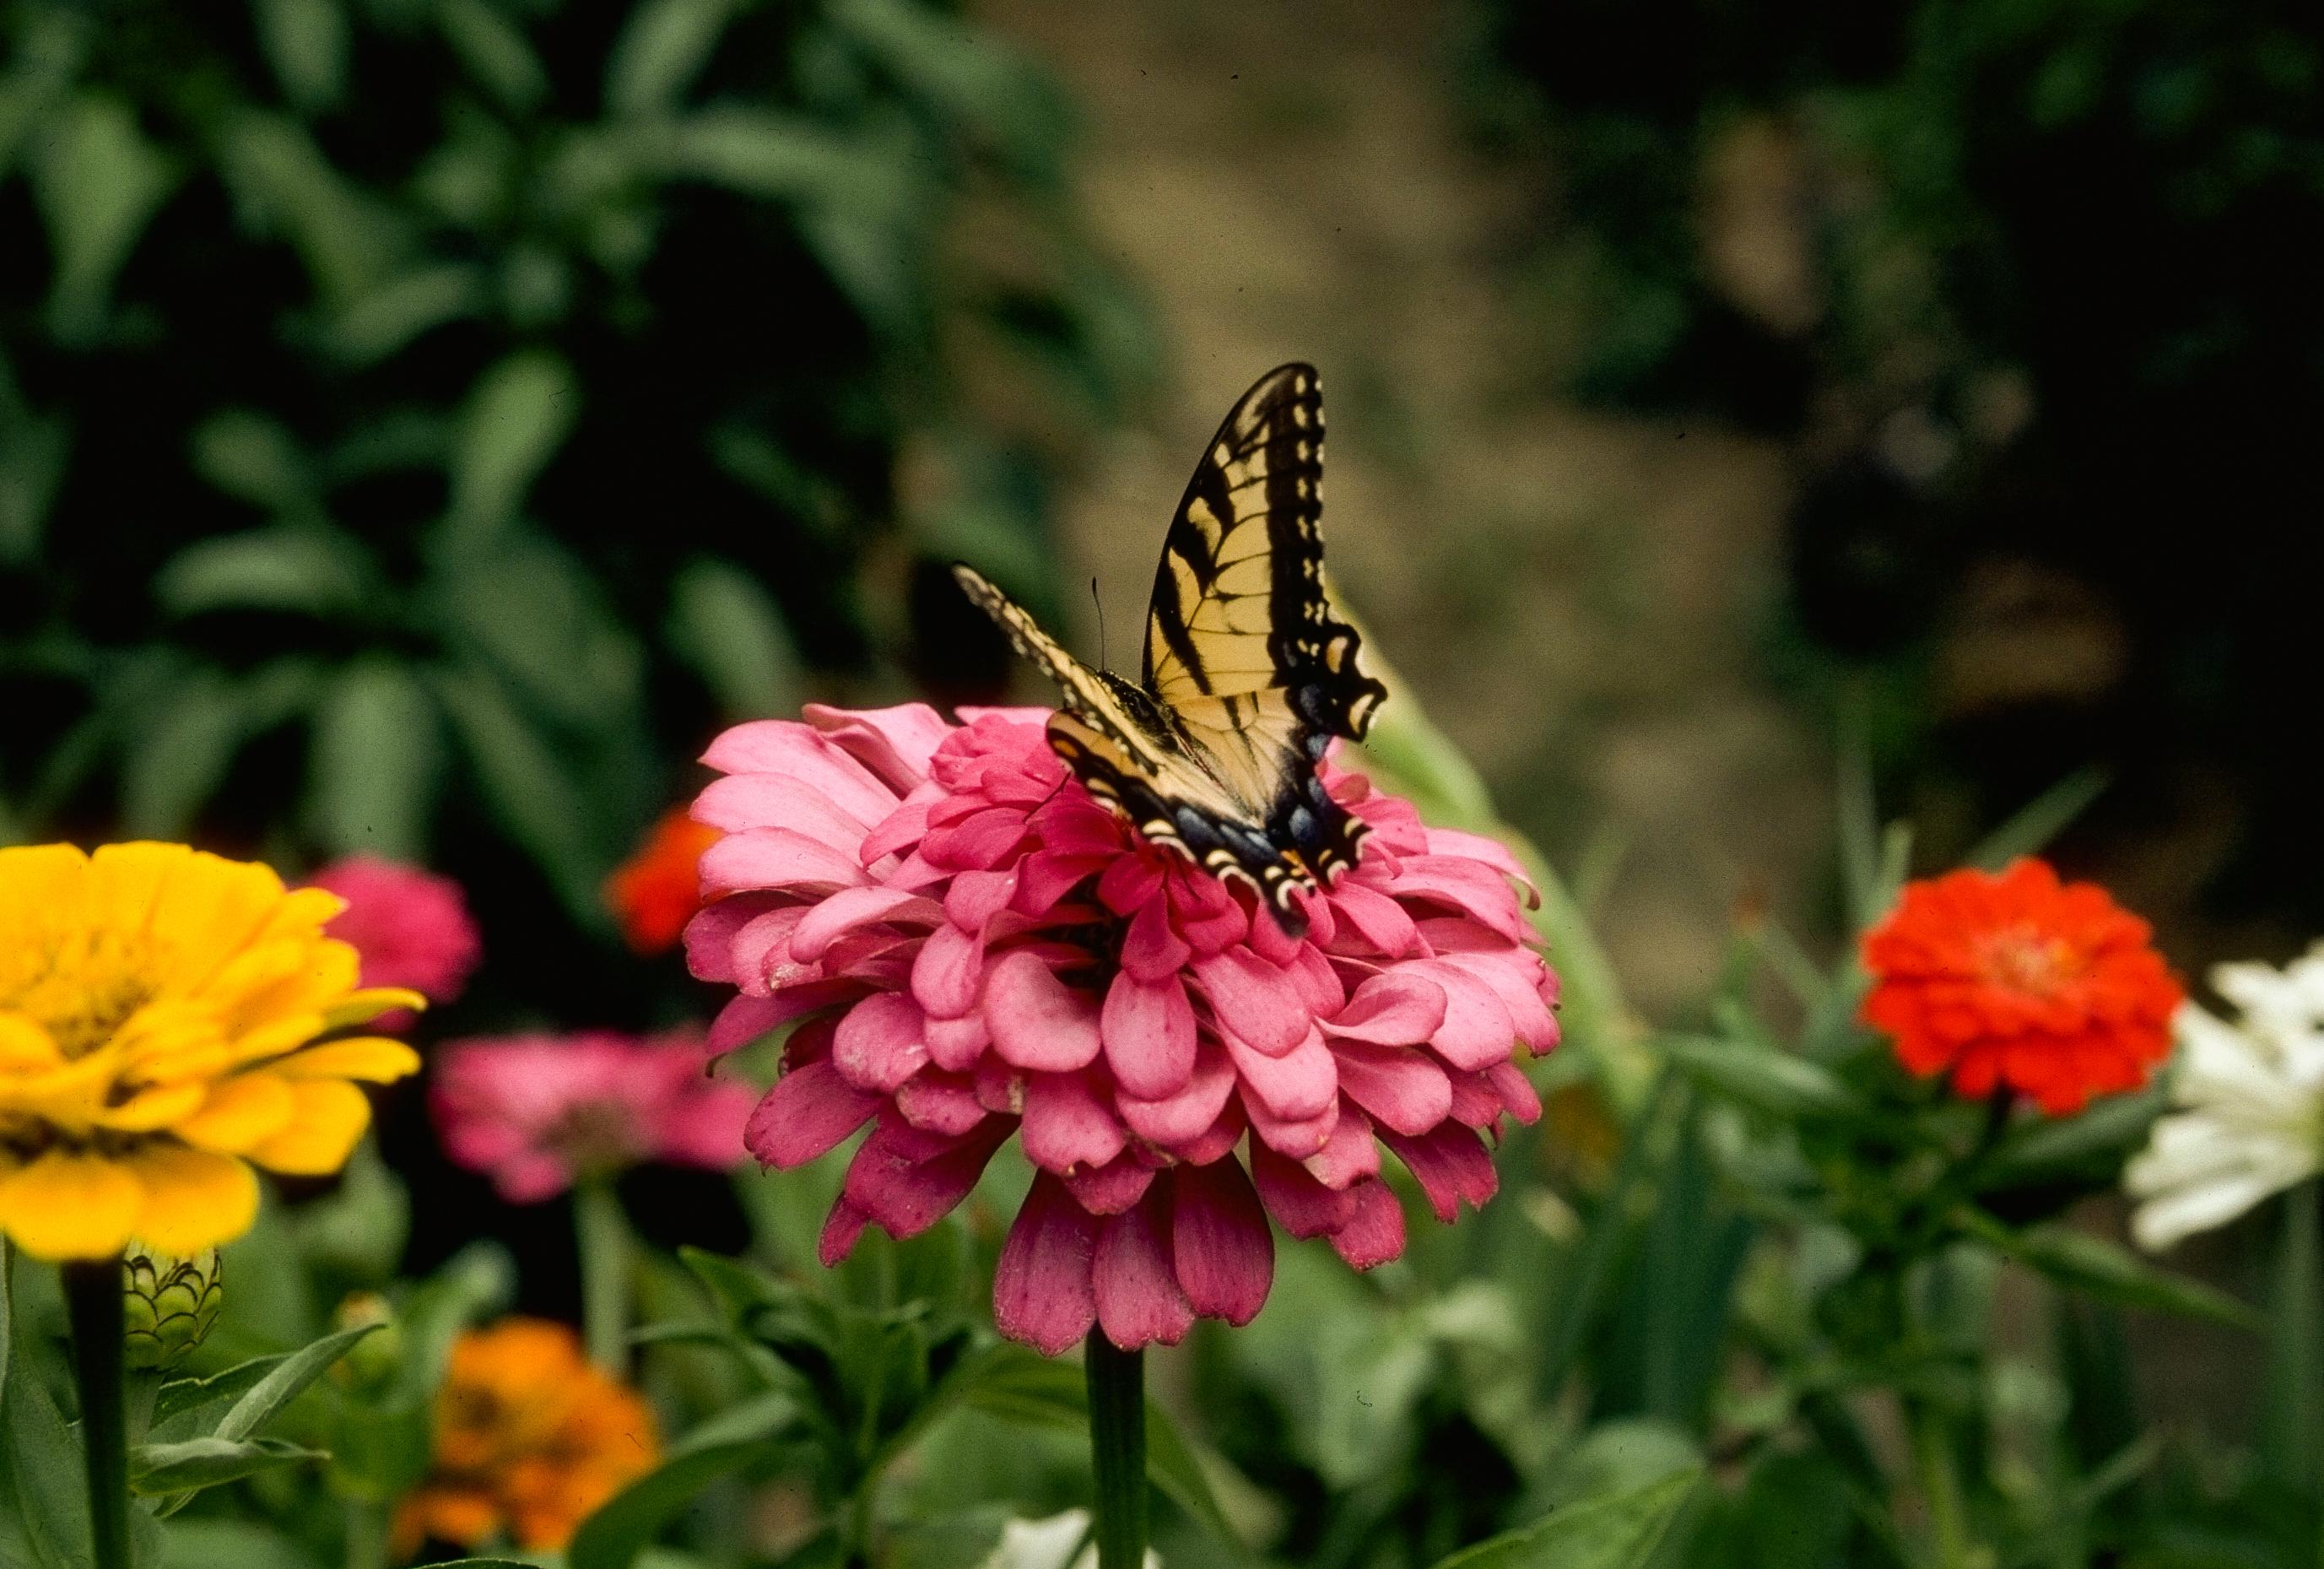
{"points": [[656, 891], [2014, 979], [530, 1439]]}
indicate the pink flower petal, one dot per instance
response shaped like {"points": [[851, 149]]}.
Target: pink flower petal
{"points": [[1147, 1028], [940, 1102], [896, 1181], [744, 801], [895, 743], [1477, 1031], [781, 858], [976, 899], [1139, 1302], [948, 972], [791, 751], [981, 840], [710, 937], [1316, 982], [1110, 1188], [1253, 1000], [1300, 1139], [1302, 1205], [1043, 1292], [851, 908], [1471, 887], [1517, 977], [898, 831], [1380, 920], [811, 1112], [1223, 1252], [1375, 1234], [1350, 1155], [1518, 1097], [1492, 851], [955, 1044], [1129, 885], [1401, 1085], [1215, 1141], [1037, 1021], [1449, 1164], [1068, 1126], [741, 1022], [1396, 1008], [1475, 1102], [1046, 877], [999, 1088], [1178, 1118], [841, 1228], [1150, 949], [1294, 1086], [880, 1043]]}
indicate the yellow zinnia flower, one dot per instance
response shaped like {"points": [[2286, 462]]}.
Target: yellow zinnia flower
{"points": [[159, 1014]]}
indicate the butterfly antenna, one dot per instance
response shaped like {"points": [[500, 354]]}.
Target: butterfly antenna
{"points": [[1103, 663]]}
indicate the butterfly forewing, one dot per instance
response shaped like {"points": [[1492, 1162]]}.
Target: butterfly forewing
{"points": [[1249, 674]]}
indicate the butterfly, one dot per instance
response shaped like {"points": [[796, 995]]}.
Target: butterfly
{"points": [[1249, 674]]}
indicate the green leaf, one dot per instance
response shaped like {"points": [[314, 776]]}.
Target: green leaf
{"points": [[32, 453], [759, 153], [1019, 1386], [159, 1469], [184, 1396], [2293, 1421], [283, 184], [722, 623], [283, 1382], [2040, 821], [381, 320], [377, 750], [534, 610], [98, 183], [614, 1537], [231, 1544], [494, 52], [2103, 1269], [1619, 1532], [1774, 1082], [316, 571], [181, 755], [517, 416], [43, 1510], [662, 49], [306, 43], [251, 458], [2092, 1142], [528, 788]]}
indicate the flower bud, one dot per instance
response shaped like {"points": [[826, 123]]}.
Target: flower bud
{"points": [[168, 1304], [371, 1361]]}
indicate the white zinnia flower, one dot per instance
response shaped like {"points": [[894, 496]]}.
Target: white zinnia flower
{"points": [[2249, 1099]]}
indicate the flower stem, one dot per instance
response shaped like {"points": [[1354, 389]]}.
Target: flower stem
{"points": [[366, 1543], [602, 1233], [93, 1302], [1939, 1487], [1117, 1411]]}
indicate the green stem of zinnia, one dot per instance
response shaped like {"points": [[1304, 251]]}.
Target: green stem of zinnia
{"points": [[1117, 1411], [93, 1301], [602, 1233]]}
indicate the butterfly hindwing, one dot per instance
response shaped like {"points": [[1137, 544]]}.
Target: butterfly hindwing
{"points": [[1249, 674]]}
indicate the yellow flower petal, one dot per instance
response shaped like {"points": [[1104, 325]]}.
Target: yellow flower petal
{"points": [[363, 1007], [125, 880], [44, 889], [212, 910], [148, 1109], [67, 1205], [241, 1113], [25, 1047], [194, 1199], [328, 1118], [373, 1058]]}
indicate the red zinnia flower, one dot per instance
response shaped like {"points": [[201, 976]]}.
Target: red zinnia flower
{"points": [[991, 955], [2012, 978], [656, 891]]}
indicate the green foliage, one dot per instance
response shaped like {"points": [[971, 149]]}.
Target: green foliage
{"points": [[423, 421]]}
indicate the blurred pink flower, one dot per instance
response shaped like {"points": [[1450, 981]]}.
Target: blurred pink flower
{"points": [[411, 927], [537, 1111], [986, 951]]}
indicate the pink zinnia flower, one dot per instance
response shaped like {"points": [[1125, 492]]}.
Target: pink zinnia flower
{"points": [[987, 951], [411, 927], [538, 1111]]}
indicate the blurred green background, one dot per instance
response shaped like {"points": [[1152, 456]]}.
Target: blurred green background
{"points": [[423, 423]]}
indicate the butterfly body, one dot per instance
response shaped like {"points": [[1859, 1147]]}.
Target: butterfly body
{"points": [[1249, 674]]}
